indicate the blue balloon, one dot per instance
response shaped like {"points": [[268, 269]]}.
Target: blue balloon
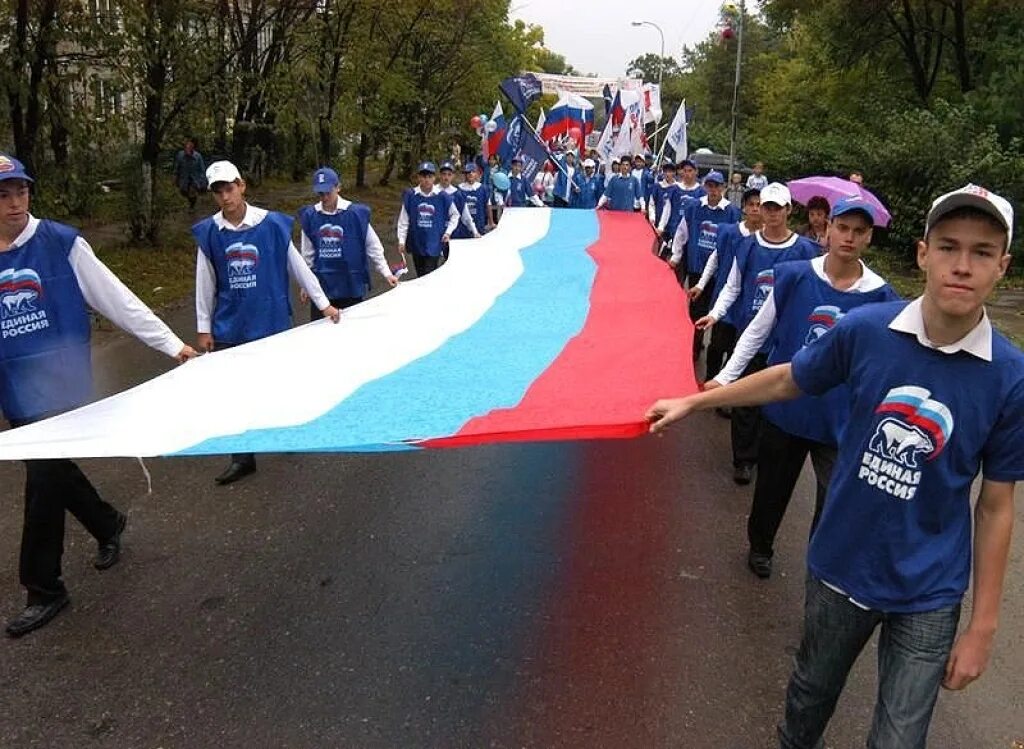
{"points": [[500, 180]]}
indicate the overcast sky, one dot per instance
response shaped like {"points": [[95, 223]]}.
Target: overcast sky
{"points": [[595, 36]]}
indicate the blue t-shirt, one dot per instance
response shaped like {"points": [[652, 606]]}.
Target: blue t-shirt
{"points": [[622, 193], [590, 192], [895, 534], [45, 364], [756, 260], [339, 249], [806, 308], [703, 223]]}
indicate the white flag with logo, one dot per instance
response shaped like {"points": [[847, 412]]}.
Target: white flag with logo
{"points": [[652, 102], [676, 135]]}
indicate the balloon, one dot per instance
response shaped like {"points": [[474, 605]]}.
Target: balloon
{"points": [[500, 180], [491, 126], [727, 32], [483, 118], [475, 122], [576, 134]]}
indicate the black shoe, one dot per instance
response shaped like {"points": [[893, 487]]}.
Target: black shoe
{"points": [[234, 472], [743, 474], [725, 413], [760, 564], [35, 616], [108, 553]]}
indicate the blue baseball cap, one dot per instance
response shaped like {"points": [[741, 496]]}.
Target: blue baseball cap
{"points": [[447, 166], [427, 167], [325, 179], [469, 167], [851, 204], [715, 177], [11, 168]]}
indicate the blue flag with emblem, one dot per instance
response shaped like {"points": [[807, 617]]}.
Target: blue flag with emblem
{"points": [[521, 90]]}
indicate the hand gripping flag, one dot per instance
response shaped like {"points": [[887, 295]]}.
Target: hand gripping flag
{"points": [[554, 341], [493, 138]]}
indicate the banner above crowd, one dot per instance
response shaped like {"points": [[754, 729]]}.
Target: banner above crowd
{"points": [[591, 88]]}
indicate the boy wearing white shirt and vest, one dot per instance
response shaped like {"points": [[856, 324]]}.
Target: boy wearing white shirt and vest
{"points": [[338, 244], [808, 298], [748, 282], [936, 398], [48, 277], [444, 177], [426, 221], [245, 255]]}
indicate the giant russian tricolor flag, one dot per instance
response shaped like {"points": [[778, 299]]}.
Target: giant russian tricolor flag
{"points": [[560, 324]]}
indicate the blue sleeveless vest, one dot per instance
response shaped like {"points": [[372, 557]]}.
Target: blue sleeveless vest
{"points": [[45, 363], [704, 224], [756, 265], [339, 249], [806, 309], [428, 217], [476, 199], [517, 191], [251, 267]]}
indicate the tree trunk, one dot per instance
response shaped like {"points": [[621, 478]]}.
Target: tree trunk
{"points": [[361, 154], [963, 64], [324, 155], [389, 168]]}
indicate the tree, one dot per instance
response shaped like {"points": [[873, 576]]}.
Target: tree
{"points": [[648, 67]]}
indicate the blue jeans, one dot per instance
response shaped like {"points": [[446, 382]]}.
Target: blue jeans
{"points": [[912, 653]]}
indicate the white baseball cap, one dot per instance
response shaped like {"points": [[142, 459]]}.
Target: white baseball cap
{"points": [[973, 196], [222, 171], [588, 162], [777, 193]]}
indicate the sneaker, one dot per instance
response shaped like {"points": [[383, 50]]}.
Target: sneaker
{"points": [[743, 474]]}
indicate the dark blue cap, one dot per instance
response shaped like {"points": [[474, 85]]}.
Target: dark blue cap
{"points": [[11, 168], [715, 177], [447, 166], [427, 167], [325, 179]]}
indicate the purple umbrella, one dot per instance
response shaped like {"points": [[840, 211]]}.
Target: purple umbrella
{"points": [[834, 189]]}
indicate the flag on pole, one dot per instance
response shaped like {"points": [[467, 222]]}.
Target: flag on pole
{"points": [[676, 135], [606, 94], [570, 111], [495, 136], [532, 151], [652, 102], [541, 120], [521, 90]]}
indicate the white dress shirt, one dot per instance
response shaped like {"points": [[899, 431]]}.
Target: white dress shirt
{"points": [[206, 278], [105, 293]]}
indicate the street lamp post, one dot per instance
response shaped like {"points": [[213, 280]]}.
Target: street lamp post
{"points": [[661, 62], [736, 93]]}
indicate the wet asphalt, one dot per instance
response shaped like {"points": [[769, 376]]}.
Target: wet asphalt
{"points": [[587, 594]]}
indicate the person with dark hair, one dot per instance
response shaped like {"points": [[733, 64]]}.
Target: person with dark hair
{"points": [[936, 403], [190, 172], [857, 176], [817, 220], [426, 221]]}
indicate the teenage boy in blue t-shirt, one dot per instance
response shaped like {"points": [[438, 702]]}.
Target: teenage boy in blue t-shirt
{"points": [[937, 396]]}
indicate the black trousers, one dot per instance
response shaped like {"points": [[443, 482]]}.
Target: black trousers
{"points": [[698, 308], [424, 264], [339, 303], [746, 423], [720, 348], [561, 202], [780, 459], [51, 487]]}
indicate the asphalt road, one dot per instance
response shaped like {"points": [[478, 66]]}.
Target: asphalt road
{"points": [[545, 595]]}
